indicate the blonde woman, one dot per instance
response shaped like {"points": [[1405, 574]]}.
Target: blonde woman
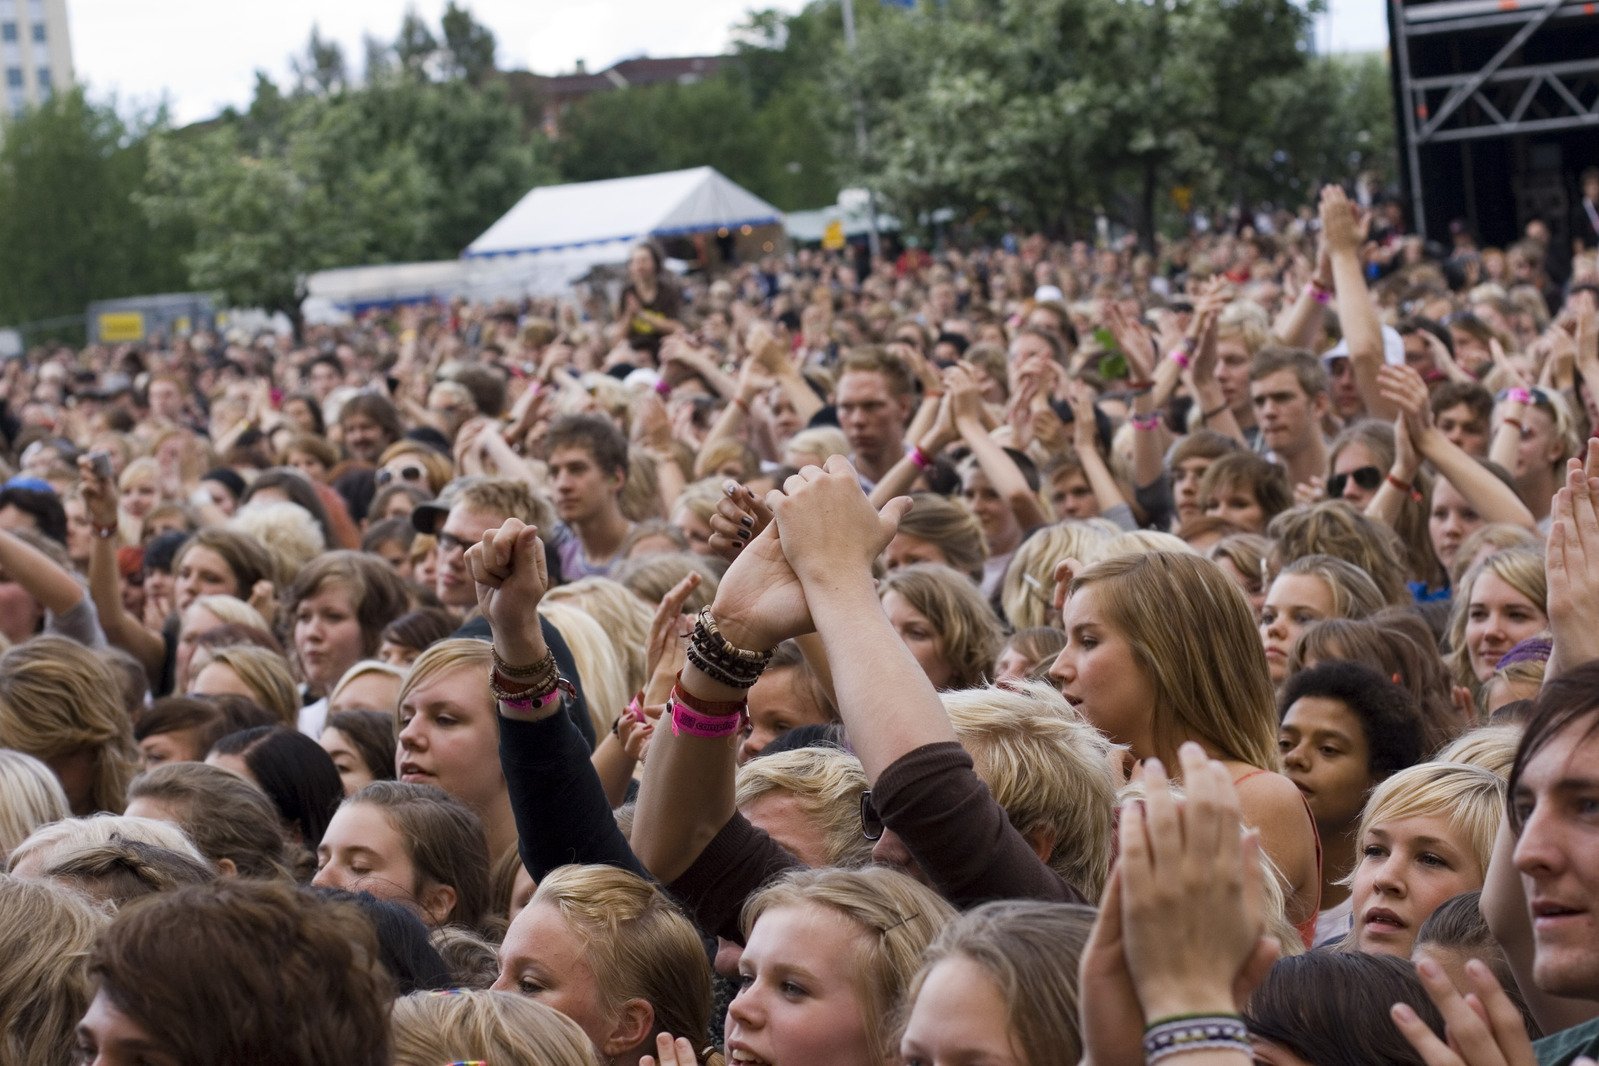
{"points": [[945, 622], [46, 935], [1025, 592], [609, 950], [30, 796], [1135, 668], [61, 703], [249, 671], [605, 680], [1498, 604], [467, 1025], [624, 617]]}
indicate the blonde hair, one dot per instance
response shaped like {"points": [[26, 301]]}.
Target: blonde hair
{"points": [[49, 844], [30, 796], [1520, 568], [949, 525], [1028, 589], [624, 617], [653, 576], [432, 1028], [361, 669], [605, 686], [826, 784], [816, 444], [897, 916], [1048, 768], [58, 697], [446, 657], [1247, 552], [232, 611], [1139, 541], [263, 673], [1492, 747], [1497, 535], [1354, 594], [1469, 797], [1217, 689], [968, 634], [699, 498], [1333, 527], [1030, 950], [286, 530], [47, 934], [639, 945]]}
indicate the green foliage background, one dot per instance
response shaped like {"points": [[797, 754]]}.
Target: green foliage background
{"points": [[1014, 114]]}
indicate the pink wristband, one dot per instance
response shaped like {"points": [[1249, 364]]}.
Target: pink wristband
{"points": [[1145, 422], [1319, 294], [530, 703], [920, 458], [707, 726], [1519, 395], [1181, 358]]}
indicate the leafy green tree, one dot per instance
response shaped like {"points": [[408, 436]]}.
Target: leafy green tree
{"points": [[321, 69], [468, 46], [70, 231], [416, 46]]}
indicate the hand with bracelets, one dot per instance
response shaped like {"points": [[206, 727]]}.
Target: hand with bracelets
{"points": [[512, 577]]}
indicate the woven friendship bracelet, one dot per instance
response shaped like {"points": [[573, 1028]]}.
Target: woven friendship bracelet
{"points": [[1221, 1032]]}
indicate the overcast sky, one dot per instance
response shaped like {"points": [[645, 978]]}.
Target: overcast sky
{"points": [[201, 57]]}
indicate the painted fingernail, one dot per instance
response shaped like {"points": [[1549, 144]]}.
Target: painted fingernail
{"points": [[744, 534], [749, 523], [730, 487]]}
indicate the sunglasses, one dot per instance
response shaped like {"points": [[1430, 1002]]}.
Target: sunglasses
{"points": [[871, 821], [407, 473], [1367, 477]]}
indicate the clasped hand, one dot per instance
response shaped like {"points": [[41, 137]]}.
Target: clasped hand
{"points": [[817, 535]]}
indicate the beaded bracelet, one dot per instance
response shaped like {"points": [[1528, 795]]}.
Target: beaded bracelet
{"points": [[733, 676], [1204, 1032]]}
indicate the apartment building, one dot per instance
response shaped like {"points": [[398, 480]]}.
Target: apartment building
{"points": [[35, 53]]}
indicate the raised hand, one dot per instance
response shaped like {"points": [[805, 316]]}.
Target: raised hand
{"points": [[1340, 223], [1192, 898], [828, 526], [663, 655], [1573, 562], [1483, 1026], [740, 516], [670, 1052], [759, 602], [512, 576], [100, 496]]}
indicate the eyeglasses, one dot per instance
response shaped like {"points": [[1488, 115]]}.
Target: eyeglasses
{"points": [[449, 542], [871, 821], [407, 473], [1367, 477]]}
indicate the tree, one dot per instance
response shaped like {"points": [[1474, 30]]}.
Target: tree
{"points": [[415, 47], [321, 69], [468, 46], [69, 229]]}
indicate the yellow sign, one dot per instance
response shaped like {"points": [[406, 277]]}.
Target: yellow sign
{"points": [[833, 236], [121, 326]]}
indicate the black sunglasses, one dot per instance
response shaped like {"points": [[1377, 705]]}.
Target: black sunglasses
{"points": [[871, 821], [407, 473], [1367, 477]]}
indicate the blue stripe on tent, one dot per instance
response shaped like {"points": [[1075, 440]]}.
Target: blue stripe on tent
{"points": [[674, 232]]}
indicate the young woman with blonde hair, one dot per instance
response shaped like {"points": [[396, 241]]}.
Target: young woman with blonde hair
{"points": [[245, 670], [46, 935], [1307, 590], [30, 796], [1498, 604], [61, 703], [1025, 592], [609, 950], [944, 620], [828, 955], [1135, 668], [470, 1025], [1000, 981]]}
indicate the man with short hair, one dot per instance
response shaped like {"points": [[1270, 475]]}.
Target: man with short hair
{"points": [[468, 509], [1288, 387], [587, 457], [875, 401]]}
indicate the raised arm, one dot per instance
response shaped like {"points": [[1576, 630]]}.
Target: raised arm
{"points": [[1572, 562], [562, 814], [966, 405], [1085, 436], [121, 628], [1344, 230]]}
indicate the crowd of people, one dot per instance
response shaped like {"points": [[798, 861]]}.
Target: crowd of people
{"points": [[1001, 656]]}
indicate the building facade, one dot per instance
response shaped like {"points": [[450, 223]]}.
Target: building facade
{"points": [[35, 53]]}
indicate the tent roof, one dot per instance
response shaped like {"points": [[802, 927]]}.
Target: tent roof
{"points": [[622, 209]]}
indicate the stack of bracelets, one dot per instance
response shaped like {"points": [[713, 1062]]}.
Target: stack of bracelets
{"points": [[724, 663], [1195, 1032], [527, 688]]}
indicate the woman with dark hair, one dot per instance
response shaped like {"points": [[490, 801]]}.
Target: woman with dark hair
{"points": [[413, 633], [275, 974], [362, 746], [651, 301], [292, 769], [1331, 1008]]}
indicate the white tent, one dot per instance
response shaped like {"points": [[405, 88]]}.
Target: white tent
{"points": [[592, 222]]}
